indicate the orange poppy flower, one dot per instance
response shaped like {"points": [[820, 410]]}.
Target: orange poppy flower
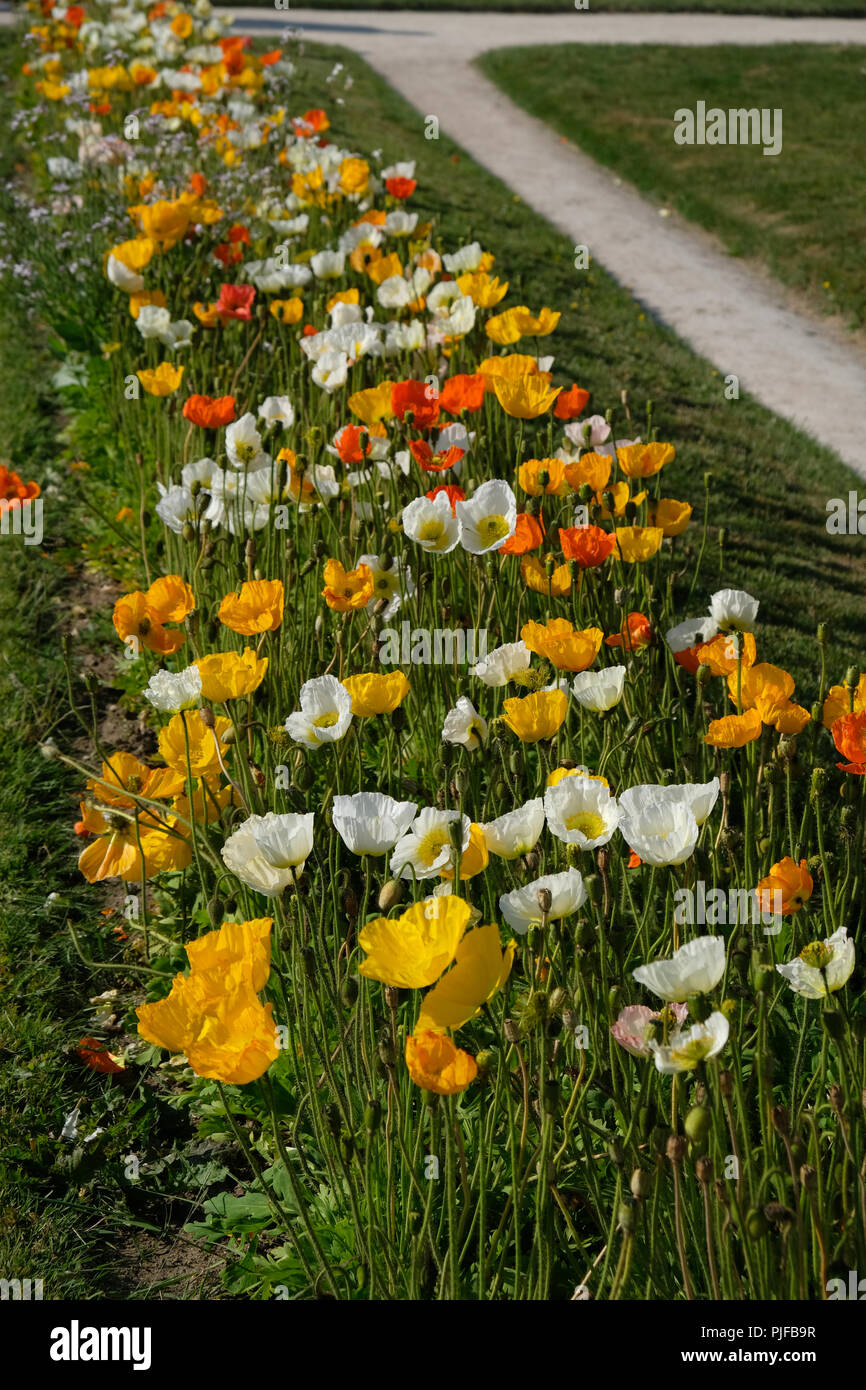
{"points": [[849, 736], [588, 545], [462, 392], [792, 882], [434, 463], [140, 617], [455, 495], [210, 412], [528, 535], [115, 852], [540, 476], [122, 774], [635, 633], [257, 608], [590, 468], [644, 460], [841, 701], [721, 653], [570, 403], [436, 1064], [97, 1056], [13, 491]]}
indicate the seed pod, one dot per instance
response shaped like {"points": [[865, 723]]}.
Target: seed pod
{"points": [[697, 1124], [391, 893], [372, 1116], [640, 1184], [349, 991]]}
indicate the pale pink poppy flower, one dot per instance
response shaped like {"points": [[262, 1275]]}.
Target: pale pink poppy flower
{"points": [[631, 1029]]}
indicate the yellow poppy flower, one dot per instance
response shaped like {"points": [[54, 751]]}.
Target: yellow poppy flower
{"points": [[162, 380], [372, 405], [484, 290], [638, 543], [735, 730], [474, 858], [257, 608], [229, 675], [204, 757], [346, 590], [480, 970], [245, 943], [537, 716], [535, 577], [673, 517], [644, 460], [525, 397], [373, 693], [590, 468], [412, 951], [564, 647]]}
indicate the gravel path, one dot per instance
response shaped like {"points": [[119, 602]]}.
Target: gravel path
{"points": [[740, 321]]}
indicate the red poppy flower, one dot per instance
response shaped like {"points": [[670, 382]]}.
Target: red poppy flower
{"points": [[228, 255], [462, 392], [849, 736], [401, 188], [454, 495], [209, 411], [311, 122], [570, 403], [235, 302], [434, 463], [198, 184], [588, 545], [416, 400], [528, 535]]}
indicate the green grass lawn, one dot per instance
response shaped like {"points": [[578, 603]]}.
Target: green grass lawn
{"points": [[799, 212]]}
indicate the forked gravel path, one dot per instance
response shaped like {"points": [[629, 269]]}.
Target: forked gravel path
{"points": [[740, 321]]}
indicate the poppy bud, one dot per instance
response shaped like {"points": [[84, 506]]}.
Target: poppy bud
{"points": [[205, 714], [349, 990], [675, 1148], [852, 677], [188, 531], [756, 1225], [391, 893], [510, 1030], [372, 1116], [626, 1218], [704, 1169], [545, 900], [640, 1184], [781, 1119], [697, 1124], [703, 675]]}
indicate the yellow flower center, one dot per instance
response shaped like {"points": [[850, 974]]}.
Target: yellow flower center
{"points": [[432, 846], [589, 823], [817, 955], [493, 528], [326, 721], [690, 1054], [432, 531]]}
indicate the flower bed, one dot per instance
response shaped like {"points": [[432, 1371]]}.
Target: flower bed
{"points": [[489, 889]]}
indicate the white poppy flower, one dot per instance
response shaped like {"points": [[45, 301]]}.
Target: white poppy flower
{"points": [[267, 857], [176, 508], [370, 822], [432, 524], [244, 443], [487, 518], [394, 293], [465, 259], [277, 410], [517, 831], [498, 666], [699, 797], [427, 847], [522, 910], [125, 279], [695, 968], [599, 690], [328, 265], [581, 811], [691, 633], [822, 967], [660, 831], [688, 1047], [464, 725], [331, 370], [325, 713], [170, 691], [734, 610], [152, 321]]}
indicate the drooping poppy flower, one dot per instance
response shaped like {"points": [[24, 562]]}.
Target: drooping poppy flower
{"points": [[481, 969], [140, 617], [636, 632], [540, 476], [115, 852], [411, 952], [734, 730], [544, 576], [644, 460], [347, 590], [436, 1064], [96, 1055], [208, 411], [257, 608], [570, 403], [122, 774], [589, 546]]}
